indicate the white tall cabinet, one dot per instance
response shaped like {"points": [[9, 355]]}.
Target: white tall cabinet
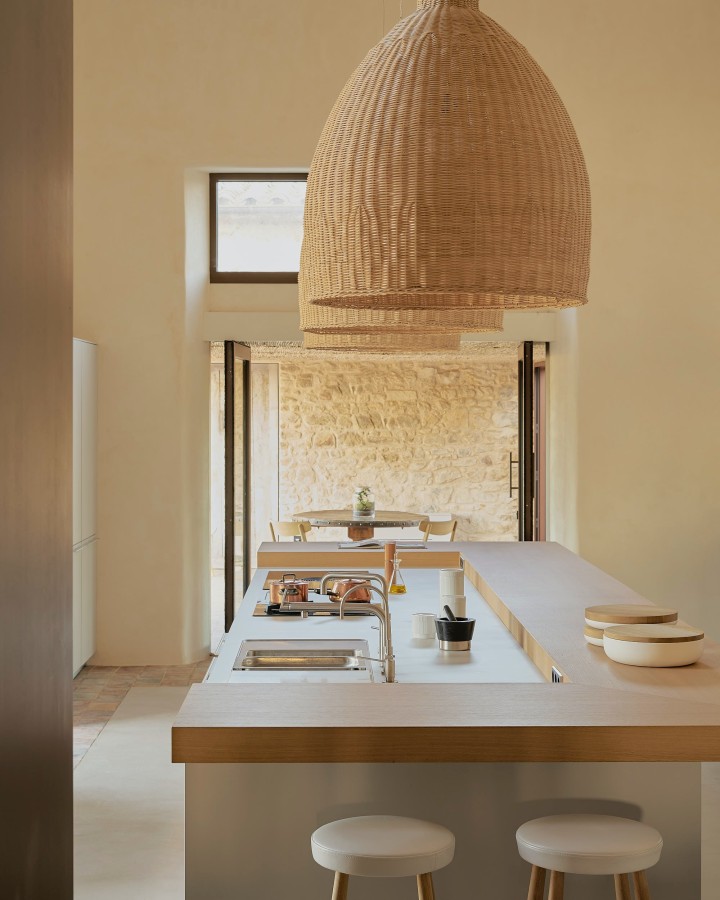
{"points": [[84, 500]]}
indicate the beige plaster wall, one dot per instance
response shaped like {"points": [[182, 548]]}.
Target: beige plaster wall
{"points": [[636, 437], [166, 89], [427, 436]]}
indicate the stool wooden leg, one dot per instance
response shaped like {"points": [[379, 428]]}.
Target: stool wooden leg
{"points": [[426, 890], [340, 888], [557, 886], [642, 891], [536, 891], [622, 887]]}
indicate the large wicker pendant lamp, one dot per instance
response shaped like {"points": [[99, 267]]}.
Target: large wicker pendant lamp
{"points": [[447, 176]]}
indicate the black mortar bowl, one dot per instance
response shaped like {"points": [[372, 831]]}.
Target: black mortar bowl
{"points": [[454, 635]]}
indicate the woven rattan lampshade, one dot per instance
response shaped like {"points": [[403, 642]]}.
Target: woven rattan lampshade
{"points": [[324, 320], [448, 175], [382, 343]]}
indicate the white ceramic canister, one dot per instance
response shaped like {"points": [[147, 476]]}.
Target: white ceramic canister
{"points": [[452, 582], [457, 604], [423, 625], [654, 645]]}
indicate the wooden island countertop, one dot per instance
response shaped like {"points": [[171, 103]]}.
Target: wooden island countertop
{"points": [[602, 711]]}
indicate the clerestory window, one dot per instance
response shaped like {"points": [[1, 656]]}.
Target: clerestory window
{"points": [[256, 226]]}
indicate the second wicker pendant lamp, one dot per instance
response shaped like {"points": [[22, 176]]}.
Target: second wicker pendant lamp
{"points": [[324, 320], [448, 177], [383, 343]]}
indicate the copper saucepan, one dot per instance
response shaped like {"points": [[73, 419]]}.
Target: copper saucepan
{"points": [[279, 587], [343, 586]]}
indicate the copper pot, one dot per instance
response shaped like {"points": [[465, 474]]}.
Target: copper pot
{"points": [[342, 587], [290, 581]]}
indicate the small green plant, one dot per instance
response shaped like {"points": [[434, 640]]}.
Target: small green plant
{"points": [[363, 500]]}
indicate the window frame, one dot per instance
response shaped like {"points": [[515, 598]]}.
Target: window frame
{"points": [[245, 277]]}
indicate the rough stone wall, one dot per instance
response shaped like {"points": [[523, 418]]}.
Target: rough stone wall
{"points": [[427, 437]]}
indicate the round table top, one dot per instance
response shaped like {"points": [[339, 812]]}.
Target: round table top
{"points": [[383, 518]]}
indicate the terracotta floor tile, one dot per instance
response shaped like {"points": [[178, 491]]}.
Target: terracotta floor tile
{"points": [[99, 690]]}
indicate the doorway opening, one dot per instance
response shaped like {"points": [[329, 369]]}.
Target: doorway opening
{"points": [[430, 433]]}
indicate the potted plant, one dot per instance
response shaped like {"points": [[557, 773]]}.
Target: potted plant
{"points": [[363, 505]]}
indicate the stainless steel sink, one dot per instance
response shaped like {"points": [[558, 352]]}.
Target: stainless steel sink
{"points": [[322, 655], [302, 659]]}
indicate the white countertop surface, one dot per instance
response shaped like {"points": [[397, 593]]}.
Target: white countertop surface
{"points": [[495, 656], [464, 708]]}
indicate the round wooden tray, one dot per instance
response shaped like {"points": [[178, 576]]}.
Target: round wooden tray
{"points": [[654, 634], [629, 614]]}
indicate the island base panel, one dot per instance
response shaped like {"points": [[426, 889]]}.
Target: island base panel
{"points": [[248, 827]]}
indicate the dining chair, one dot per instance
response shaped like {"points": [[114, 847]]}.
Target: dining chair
{"points": [[438, 528], [295, 530]]}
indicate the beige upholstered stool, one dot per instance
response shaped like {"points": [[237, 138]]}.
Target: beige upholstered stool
{"points": [[588, 845], [383, 847]]}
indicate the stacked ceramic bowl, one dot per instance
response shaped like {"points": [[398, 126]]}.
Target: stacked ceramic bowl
{"points": [[598, 618], [639, 635]]}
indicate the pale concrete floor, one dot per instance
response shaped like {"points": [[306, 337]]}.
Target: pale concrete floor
{"points": [[130, 804], [99, 690]]}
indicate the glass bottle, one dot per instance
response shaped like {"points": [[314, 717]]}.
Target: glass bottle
{"points": [[397, 582]]}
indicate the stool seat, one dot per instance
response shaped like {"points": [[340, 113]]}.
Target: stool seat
{"points": [[383, 846], [589, 844]]}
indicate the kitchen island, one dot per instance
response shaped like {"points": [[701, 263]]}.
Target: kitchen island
{"points": [[298, 754]]}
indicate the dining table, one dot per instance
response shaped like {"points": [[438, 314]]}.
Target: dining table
{"points": [[360, 528]]}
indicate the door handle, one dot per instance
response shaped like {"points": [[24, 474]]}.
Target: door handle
{"points": [[513, 462]]}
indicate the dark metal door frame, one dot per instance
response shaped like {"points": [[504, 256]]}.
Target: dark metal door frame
{"points": [[526, 426], [540, 453], [236, 353]]}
